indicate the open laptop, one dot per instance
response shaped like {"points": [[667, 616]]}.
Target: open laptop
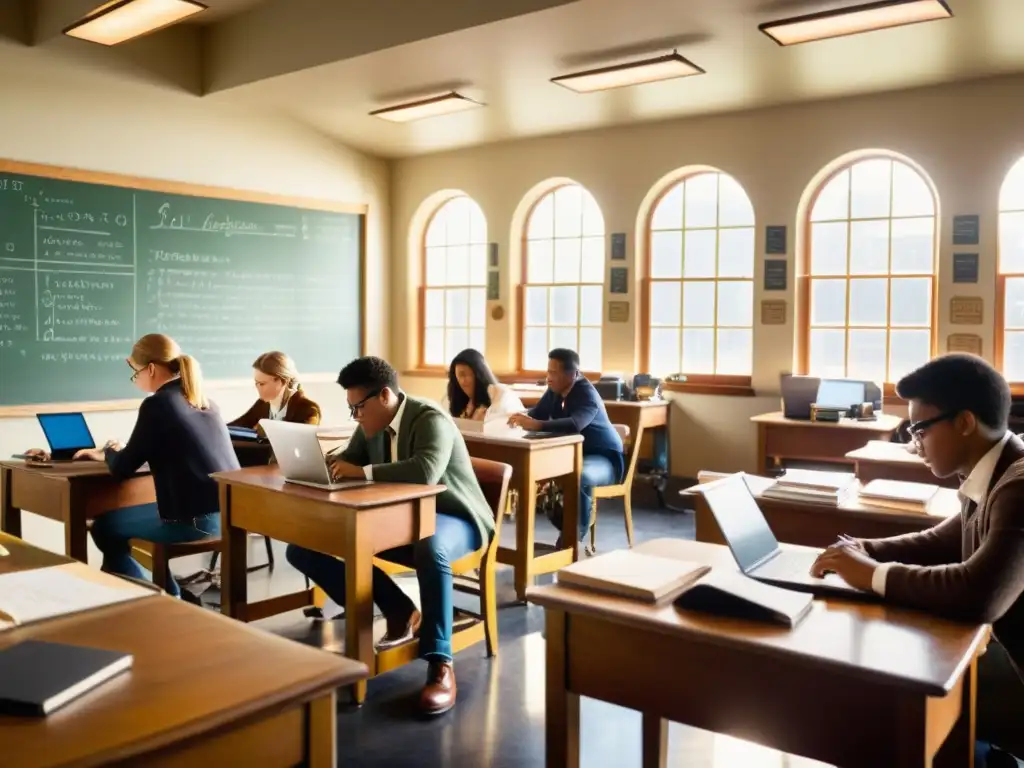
{"points": [[840, 393], [757, 551], [300, 457], [798, 392], [66, 434]]}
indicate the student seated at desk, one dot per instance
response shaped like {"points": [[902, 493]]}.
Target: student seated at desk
{"points": [[280, 394], [401, 439], [971, 567], [474, 391], [572, 405], [183, 438]]}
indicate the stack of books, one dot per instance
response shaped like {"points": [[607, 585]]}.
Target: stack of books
{"points": [[899, 496], [812, 485]]}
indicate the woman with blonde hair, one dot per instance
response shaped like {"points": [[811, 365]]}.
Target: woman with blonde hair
{"points": [[280, 394], [183, 438]]}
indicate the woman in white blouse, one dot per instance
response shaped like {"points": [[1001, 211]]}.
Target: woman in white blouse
{"points": [[474, 391]]}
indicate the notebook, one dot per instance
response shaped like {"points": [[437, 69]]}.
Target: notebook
{"points": [[899, 495], [725, 593], [37, 678], [45, 593], [624, 573]]}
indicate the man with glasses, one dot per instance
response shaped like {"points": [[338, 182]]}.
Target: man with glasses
{"points": [[401, 439], [970, 567]]}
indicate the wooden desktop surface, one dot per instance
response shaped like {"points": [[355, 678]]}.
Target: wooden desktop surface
{"points": [[892, 461], [779, 438], [533, 461], [817, 524], [70, 493], [352, 524], [854, 684], [203, 690]]}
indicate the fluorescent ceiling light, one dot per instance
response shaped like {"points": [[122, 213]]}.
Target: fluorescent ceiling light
{"points": [[432, 107], [635, 73], [854, 20], [122, 20]]}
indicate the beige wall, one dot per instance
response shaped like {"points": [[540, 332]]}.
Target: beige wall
{"points": [[54, 114], [966, 137]]}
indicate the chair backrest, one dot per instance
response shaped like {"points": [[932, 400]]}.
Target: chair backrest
{"points": [[632, 455], [494, 477]]}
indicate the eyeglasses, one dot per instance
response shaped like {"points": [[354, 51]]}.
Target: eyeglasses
{"points": [[135, 371], [356, 408], [918, 428]]}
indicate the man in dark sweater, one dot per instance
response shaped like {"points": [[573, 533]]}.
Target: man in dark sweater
{"points": [[572, 405], [970, 567]]}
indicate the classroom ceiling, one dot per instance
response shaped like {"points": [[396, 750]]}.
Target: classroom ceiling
{"points": [[328, 63]]}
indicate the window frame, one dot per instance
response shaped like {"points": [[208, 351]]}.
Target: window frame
{"points": [[421, 364], [524, 374], [699, 383], [805, 278], [999, 334]]}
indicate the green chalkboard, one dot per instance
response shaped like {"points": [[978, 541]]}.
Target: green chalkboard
{"points": [[89, 263]]}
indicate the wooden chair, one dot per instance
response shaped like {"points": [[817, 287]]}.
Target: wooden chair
{"points": [[493, 477], [623, 490], [157, 556]]}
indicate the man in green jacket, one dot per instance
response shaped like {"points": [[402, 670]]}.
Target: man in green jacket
{"points": [[404, 440]]}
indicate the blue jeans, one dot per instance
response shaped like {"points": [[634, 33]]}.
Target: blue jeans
{"points": [[431, 557], [597, 470], [114, 531]]}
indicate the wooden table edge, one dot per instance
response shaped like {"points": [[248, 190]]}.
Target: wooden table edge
{"points": [[553, 597]]}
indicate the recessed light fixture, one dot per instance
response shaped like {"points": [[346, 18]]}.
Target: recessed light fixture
{"points": [[444, 104], [854, 20], [634, 73], [122, 20]]}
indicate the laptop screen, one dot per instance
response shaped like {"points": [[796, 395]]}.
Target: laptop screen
{"points": [[741, 521], [839, 393], [66, 431]]}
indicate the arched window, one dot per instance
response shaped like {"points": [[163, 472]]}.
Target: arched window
{"points": [[700, 318], [1010, 324], [454, 293], [564, 278], [869, 276]]}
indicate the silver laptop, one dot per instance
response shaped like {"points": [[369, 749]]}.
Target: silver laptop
{"points": [[300, 456], [757, 551]]}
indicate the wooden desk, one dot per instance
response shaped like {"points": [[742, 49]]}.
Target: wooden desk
{"points": [[892, 461], [855, 685], [779, 438], [70, 493], [533, 461], [353, 524], [818, 525], [203, 690]]}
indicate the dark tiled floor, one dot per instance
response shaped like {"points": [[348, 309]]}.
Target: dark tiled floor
{"points": [[499, 719]]}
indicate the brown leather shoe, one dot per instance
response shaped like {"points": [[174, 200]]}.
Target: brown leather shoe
{"points": [[438, 694], [400, 630]]}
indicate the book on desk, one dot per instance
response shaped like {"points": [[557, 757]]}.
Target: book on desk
{"points": [[693, 586]]}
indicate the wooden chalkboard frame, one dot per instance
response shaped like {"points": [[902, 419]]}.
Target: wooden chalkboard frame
{"points": [[61, 173]]}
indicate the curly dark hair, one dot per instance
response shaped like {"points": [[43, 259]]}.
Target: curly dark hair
{"points": [[372, 373], [959, 382]]}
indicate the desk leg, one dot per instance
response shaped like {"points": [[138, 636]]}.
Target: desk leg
{"points": [[655, 742], [562, 707], [10, 515], [75, 536], [234, 579], [321, 732], [526, 517], [359, 602], [571, 500], [762, 445], [958, 749]]}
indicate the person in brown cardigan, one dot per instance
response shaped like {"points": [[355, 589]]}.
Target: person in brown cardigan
{"points": [[969, 567], [280, 394]]}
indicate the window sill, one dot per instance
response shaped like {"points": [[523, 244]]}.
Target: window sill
{"points": [[697, 388], [427, 373]]}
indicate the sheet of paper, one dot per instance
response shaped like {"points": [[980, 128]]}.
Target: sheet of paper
{"points": [[44, 593]]}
